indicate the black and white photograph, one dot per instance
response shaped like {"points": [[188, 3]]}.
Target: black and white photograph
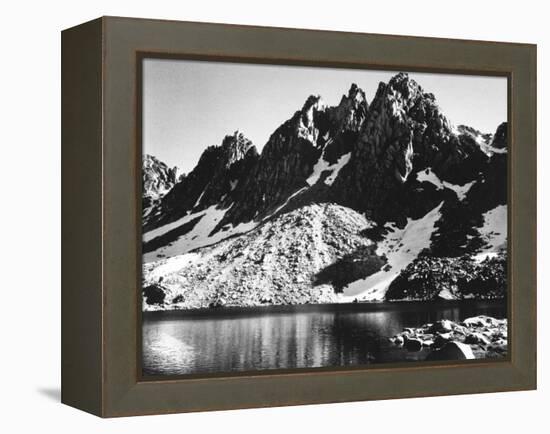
{"points": [[314, 217], [286, 217]]}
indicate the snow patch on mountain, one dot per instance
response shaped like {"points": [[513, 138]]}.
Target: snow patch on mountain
{"points": [[429, 176], [336, 167], [493, 232], [148, 236], [323, 166], [485, 144], [488, 149], [172, 265], [200, 236], [400, 247], [199, 198], [318, 169], [280, 207]]}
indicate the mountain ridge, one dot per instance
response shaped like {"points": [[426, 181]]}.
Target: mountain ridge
{"points": [[393, 161]]}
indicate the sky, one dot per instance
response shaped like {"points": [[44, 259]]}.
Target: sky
{"points": [[189, 105]]}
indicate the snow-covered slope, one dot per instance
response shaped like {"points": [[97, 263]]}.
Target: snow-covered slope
{"points": [[282, 261], [493, 232], [199, 233], [400, 247]]}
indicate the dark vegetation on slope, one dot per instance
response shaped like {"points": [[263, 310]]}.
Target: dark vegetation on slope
{"points": [[430, 278], [353, 266]]}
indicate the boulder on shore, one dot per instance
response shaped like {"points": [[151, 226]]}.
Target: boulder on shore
{"points": [[478, 337], [413, 344], [452, 351]]}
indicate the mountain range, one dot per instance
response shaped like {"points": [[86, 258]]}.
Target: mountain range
{"points": [[360, 201]]}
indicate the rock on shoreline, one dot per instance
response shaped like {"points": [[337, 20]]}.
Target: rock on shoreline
{"points": [[478, 337]]}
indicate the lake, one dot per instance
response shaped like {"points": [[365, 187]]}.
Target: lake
{"points": [[287, 337]]}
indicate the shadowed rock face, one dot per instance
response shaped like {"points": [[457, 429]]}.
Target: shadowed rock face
{"points": [[382, 156], [285, 163], [287, 160], [211, 182], [404, 133], [500, 138], [346, 121]]}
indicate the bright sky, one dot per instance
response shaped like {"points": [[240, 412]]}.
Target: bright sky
{"points": [[189, 105]]}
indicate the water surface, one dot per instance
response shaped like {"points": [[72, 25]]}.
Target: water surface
{"points": [[247, 339]]}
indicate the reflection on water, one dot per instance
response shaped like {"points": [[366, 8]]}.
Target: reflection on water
{"points": [[176, 343]]}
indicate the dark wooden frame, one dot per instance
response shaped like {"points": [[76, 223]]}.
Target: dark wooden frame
{"points": [[101, 224]]}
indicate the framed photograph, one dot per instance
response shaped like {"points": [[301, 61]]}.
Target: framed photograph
{"points": [[260, 216]]}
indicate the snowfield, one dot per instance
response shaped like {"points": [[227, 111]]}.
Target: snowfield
{"points": [[401, 247], [172, 265], [322, 166], [429, 176], [199, 236], [493, 232]]}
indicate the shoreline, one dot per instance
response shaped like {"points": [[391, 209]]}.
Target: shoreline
{"points": [[477, 337], [370, 306]]}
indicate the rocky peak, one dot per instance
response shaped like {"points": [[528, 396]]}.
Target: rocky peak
{"points": [[410, 126], [301, 130], [474, 133], [387, 137], [501, 136], [212, 180], [403, 96], [305, 120], [409, 89], [356, 93], [313, 102], [234, 147], [350, 113], [404, 132], [158, 178], [233, 159], [465, 129], [285, 163]]}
